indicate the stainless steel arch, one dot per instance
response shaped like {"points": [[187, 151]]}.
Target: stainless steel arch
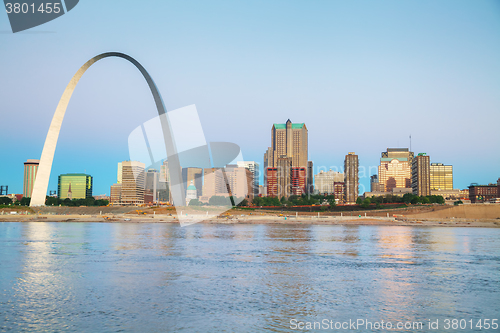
{"points": [[49, 148]]}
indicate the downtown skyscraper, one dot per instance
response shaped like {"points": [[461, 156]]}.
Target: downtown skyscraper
{"points": [[351, 178], [30, 170], [286, 168]]}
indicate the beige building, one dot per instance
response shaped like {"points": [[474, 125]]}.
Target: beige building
{"points": [[119, 173], [324, 182], [115, 196], [351, 178], [30, 170], [164, 174], [420, 175], [133, 183], [196, 176], [374, 184], [395, 169], [283, 177], [288, 141], [213, 184], [441, 177], [231, 180], [255, 170], [240, 181]]}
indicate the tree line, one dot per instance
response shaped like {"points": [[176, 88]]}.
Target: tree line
{"points": [[52, 201]]}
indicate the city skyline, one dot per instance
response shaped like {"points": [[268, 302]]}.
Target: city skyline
{"points": [[428, 70]]}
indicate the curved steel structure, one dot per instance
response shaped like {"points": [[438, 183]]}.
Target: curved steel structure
{"points": [[43, 173]]}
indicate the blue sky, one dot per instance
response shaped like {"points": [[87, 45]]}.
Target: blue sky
{"points": [[362, 75]]}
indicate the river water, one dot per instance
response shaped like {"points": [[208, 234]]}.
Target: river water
{"points": [[152, 277]]}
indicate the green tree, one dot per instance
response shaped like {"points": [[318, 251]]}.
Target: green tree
{"points": [[5, 201], [102, 202], [257, 201], [366, 203], [195, 202], [25, 201], [243, 202], [332, 202], [407, 197], [219, 201], [359, 201], [67, 202]]}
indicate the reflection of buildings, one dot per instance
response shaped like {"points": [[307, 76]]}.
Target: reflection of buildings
{"points": [[395, 169], [30, 169], [351, 178], [286, 169], [420, 175], [74, 186]]}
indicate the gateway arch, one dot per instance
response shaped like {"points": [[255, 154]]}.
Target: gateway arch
{"points": [[42, 177]]}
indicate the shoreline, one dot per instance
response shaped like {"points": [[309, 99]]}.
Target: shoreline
{"points": [[310, 220]]}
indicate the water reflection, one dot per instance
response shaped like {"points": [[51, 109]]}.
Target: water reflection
{"points": [[211, 278]]}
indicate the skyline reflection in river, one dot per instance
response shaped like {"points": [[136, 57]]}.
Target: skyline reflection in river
{"points": [[248, 278]]}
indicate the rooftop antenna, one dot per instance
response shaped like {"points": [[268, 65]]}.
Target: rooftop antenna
{"points": [[410, 142]]}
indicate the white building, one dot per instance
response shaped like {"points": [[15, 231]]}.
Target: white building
{"points": [[255, 170], [191, 193], [324, 182]]}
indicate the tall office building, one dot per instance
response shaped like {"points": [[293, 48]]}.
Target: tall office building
{"points": [[115, 193], [283, 177], [30, 169], [231, 180], [351, 178], [152, 183], [119, 173], [164, 174], [324, 182], [309, 181], [288, 142], [239, 180], [255, 170], [74, 186], [374, 184], [441, 177], [164, 183], [214, 183], [420, 175], [133, 183], [195, 175], [395, 169]]}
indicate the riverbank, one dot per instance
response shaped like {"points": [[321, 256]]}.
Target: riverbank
{"points": [[443, 216], [245, 219]]}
